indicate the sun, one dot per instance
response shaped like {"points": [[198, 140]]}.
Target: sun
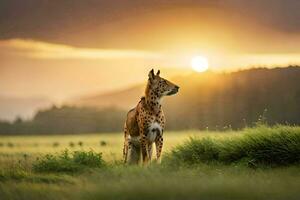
{"points": [[199, 63]]}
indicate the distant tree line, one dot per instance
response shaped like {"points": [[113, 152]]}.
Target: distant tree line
{"points": [[236, 100], [205, 101], [67, 120]]}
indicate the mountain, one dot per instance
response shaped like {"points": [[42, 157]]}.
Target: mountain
{"points": [[12, 107]]}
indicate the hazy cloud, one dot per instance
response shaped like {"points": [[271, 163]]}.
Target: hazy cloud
{"points": [[125, 24], [43, 50]]}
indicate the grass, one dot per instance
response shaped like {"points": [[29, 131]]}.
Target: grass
{"points": [[279, 145], [208, 166], [68, 162], [161, 182], [19, 175], [109, 144], [202, 182]]}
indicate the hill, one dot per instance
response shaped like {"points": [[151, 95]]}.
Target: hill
{"points": [[122, 99], [217, 100], [214, 101]]}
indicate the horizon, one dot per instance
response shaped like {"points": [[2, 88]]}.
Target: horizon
{"points": [[14, 108]]}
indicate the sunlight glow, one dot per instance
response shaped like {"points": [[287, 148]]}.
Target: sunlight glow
{"points": [[199, 63], [45, 50]]}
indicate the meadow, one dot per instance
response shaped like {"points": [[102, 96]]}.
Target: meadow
{"points": [[253, 163]]}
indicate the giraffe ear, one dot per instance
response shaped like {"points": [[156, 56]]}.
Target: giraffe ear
{"points": [[151, 74], [158, 72]]}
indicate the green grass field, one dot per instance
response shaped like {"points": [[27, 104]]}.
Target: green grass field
{"points": [[212, 165]]}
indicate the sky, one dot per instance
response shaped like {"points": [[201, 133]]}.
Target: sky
{"points": [[61, 49]]}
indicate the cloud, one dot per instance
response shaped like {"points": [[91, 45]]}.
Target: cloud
{"points": [[142, 24], [280, 15], [44, 50]]}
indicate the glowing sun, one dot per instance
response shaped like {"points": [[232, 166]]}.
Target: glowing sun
{"points": [[199, 63]]}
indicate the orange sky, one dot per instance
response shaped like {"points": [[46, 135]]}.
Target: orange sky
{"points": [[57, 50]]}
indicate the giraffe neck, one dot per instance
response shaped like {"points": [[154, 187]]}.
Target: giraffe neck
{"points": [[153, 100]]}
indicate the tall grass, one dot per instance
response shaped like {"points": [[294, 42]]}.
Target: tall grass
{"points": [[55, 176], [272, 146], [68, 162]]}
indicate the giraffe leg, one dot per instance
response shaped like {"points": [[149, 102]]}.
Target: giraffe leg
{"points": [[159, 144], [150, 145], [126, 144], [134, 151], [144, 147]]}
